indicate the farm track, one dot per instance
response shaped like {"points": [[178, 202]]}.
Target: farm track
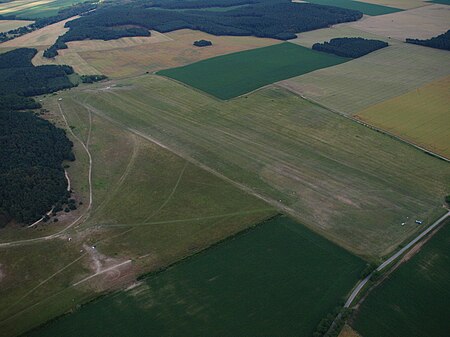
{"points": [[85, 213]]}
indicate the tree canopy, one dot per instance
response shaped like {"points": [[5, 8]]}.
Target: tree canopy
{"points": [[352, 47], [440, 42], [279, 19]]}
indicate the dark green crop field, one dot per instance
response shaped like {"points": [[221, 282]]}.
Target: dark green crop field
{"points": [[235, 74], [366, 8], [414, 301], [278, 279]]}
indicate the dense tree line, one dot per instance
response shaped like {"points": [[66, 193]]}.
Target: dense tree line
{"points": [[16, 102], [196, 4], [63, 14], [440, 42], [92, 78], [19, 76], [31, 176], [31, 149], [279, 19], [202, 43], [350, 46]]}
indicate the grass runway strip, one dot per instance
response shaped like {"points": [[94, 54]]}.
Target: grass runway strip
{"points": [[235, 74]]}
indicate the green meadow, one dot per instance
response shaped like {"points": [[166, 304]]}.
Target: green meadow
{"points": [[235, 74], [278, 279]]}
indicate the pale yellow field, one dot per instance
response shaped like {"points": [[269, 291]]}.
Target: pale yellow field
{"points": [[42, 37], [175, 50], [403, 4], [6, 25], [347, 331], [421, 116], [67, 57], [384, 74], [307, 39], [14, 6], [421, 23]]}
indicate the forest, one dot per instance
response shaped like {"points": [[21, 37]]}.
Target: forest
{"points": [[31, 149], [31, 175], [440, 42], [19, 76], [279, 19], [352, 47]]}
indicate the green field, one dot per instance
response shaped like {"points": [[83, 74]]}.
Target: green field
{"points": [[353, 185], [149, 206], [414, 300], [366, 8], [374, 78], [279, 279], [235, 74]]}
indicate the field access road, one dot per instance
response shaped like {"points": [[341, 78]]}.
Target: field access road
{"points": [[363, 282]]}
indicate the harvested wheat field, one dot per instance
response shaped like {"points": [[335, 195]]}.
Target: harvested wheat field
{"points": [[421, 116], [6, 25], [174, 50], [372, 79], [420, 23], [70, 57], [42, 37]]}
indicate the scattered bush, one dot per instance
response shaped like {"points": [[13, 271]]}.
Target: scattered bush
{"points": [[202, 43]]}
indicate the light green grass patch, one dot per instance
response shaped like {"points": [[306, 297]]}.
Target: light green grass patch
{"points": [[235, 74], [279, 279]]}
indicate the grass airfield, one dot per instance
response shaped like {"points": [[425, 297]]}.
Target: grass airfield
{"points": [[176, 171], [295, 154]]}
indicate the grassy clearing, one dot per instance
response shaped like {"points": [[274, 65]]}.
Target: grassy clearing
{"points": [[6, 25], [232, 75], [414, 300], [150, 206], [419, 23], [365, 7], [34, 9], [421, 116], [279, 279], [166, 51], [374, 78], [352, 184], [39, 38], [307, 39]]}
